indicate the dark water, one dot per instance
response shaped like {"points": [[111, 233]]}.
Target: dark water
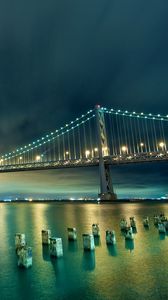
{"points": [[136, 270]]}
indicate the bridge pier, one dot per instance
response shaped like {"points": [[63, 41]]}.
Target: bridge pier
{"points": [[106, 187]]}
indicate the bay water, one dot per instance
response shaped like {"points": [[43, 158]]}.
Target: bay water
{"points": [[129, 270]]}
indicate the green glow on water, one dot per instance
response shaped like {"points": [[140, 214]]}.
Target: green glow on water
{"points": [[135, 270]]}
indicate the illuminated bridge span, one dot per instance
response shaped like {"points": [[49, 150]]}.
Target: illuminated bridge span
{"points": [[100, 137]]}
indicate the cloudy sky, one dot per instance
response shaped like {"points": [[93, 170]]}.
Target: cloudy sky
{"points": [[58, 58]]}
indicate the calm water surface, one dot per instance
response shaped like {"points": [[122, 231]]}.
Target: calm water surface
{"points": [[136, 270]]}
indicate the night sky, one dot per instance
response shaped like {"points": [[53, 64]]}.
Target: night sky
{"points": [[59, 58]]}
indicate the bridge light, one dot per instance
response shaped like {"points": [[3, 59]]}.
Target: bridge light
{"points": [[38, 157], [141, 144], [124, 149], [95, 149], [67, 152], [87, 153], [162, 145]]}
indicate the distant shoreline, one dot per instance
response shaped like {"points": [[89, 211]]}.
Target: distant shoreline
{"points": [[89, 201]]}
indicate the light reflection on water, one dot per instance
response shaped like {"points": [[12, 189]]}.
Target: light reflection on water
{"points": [[129, 270]]}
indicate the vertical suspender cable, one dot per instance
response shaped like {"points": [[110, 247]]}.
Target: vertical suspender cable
{"points": [[147, 134], [124, 127], [152, 136], [69, 146], [140, 142], [155, 136], [54, 150], [128, 133], [118, 135], [63, 143], [163, 132], [79, 140], [111, 134], [74, 145], [136, 134], [85, 144], [133, 143], [58, 144], [143, 131], [90, 138]]}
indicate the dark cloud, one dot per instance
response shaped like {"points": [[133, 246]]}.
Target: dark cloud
{"points": [[58, 58]]}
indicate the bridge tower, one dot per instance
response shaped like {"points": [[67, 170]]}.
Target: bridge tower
{"points": [[106, 187]]}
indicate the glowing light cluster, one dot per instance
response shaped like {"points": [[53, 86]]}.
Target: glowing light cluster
{"points": [[134, 114]]}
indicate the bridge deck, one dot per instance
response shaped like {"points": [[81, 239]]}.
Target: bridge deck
{"points": [[89, 162]]}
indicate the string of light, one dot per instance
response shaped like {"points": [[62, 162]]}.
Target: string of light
{"points": [[50, 137], [135, 115]]}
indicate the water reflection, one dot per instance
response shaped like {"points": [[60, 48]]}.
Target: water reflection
{"points": [[24, 283], [129, 245], [134, 230], [112, 250], [88, 261], [162, 236], [45, 252], [97, 241], [146, 228], [59, 270], [79, 272], [72, 246]]}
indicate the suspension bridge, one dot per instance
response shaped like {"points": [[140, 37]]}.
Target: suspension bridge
{"points": [[101, 137]]}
